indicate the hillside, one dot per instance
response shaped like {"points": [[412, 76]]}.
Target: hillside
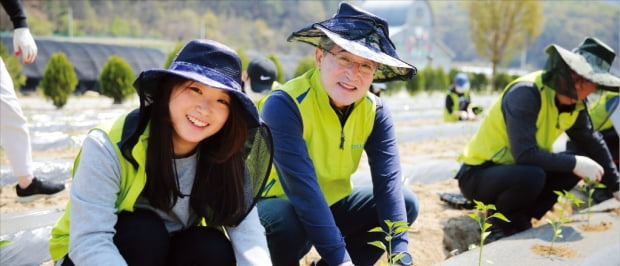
{"points": [[262, 26]]}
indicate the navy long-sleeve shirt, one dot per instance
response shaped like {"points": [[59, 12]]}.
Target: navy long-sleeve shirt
{"points": [[297, 174], [520, 109]]}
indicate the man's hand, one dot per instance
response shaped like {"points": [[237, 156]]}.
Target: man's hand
{"points": [[586, 167], [24, 45]]}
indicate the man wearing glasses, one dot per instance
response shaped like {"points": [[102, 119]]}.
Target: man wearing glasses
{"points": [[322, 122]]}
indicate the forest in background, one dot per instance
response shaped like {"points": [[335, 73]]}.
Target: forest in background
{"points": [[261, 27]]}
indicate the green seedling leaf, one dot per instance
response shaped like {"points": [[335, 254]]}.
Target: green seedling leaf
{"points": [[376, 230], [599, 185], [4, 243], [486, 226], [378, 244], [400, 230], [393, 229], [479, 205], [500, 216], [485, 235], [482, 223], [397, 257], [401, 224], [474, 216]]}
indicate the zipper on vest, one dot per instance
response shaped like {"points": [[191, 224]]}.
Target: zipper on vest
{"points": [[342, 138]]}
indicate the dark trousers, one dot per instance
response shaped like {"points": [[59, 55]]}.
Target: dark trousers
{"points": [[142, 239], [520, 192], [354, 215]]}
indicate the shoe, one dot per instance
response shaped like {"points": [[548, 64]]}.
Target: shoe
{"points": [[500, 229], [456, 200], [601, 194], [37, 189]]}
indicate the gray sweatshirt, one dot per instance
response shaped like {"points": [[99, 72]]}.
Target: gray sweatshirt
{"points": [[94, 191]]}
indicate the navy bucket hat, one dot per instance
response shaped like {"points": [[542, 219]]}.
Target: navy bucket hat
{"points": [[363, 34], [207, 62]]}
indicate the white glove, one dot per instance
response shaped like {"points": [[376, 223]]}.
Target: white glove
{"points": [[24, 44], [586, 167], [464, 115]]}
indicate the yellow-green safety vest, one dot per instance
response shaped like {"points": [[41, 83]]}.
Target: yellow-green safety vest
{"points": [[334, 162], [599, 112], [451, 117], [490, 143], [132, 183]]}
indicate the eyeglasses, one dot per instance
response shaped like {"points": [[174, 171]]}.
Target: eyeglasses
{"points": [[346, 62]]}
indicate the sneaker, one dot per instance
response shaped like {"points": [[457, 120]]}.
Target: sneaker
{"points": [[456, 200], [37, 189], [601, 194], [500, 229]]}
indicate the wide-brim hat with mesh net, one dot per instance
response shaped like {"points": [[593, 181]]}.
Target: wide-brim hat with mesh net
{"points": [[204, 61], [363, 34], [592, 59]]}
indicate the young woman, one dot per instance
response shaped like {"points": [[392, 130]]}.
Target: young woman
{"points": [[174, 182]]}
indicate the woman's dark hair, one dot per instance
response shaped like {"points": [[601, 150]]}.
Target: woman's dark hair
{"points": [[218, 189]]}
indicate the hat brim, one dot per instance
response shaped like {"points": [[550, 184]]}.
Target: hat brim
{"points": [[578, 63], [390, 68], [152, 78], [259, 87]]}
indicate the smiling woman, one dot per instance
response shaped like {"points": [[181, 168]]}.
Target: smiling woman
{"points": [[157, 175], [197, 112]]}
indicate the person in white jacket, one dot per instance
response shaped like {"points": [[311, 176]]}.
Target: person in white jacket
{"points": [[14, 133], [174, 182]]}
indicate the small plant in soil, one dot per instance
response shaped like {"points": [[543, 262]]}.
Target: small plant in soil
{"points": [[393, 230], [565, 200], [589, 187], [484, 224]]}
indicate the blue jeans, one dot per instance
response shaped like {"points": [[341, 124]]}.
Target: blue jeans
{"points": [[354, 216]]}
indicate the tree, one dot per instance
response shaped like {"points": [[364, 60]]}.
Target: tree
{"points": [[13, 67], [499, 29], [172, 54], [116, 79], [59, 79], [304, 64], [280, 78]]}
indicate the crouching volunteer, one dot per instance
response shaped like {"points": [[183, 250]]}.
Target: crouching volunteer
{"points": [[322, 122], [174, 182]]}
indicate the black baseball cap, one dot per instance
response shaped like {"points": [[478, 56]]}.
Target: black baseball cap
{"points": [[262, 73]]}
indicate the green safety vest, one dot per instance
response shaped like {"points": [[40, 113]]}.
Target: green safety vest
{"points": [[599, 113], [132, 183], [335, 150], [490, 143], [450, 117]]}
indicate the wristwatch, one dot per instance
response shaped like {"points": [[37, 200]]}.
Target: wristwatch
{"points": [[405, 259]]}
